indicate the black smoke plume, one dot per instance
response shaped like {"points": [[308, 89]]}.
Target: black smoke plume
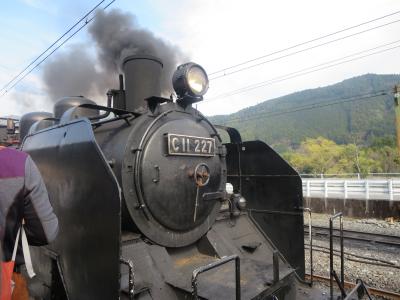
{"points": [[79, 71]]}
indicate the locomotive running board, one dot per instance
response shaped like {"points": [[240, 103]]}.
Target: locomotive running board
{"points": [[224, 240], [165, 273]]}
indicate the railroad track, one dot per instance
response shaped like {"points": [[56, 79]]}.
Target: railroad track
{"points": [[350, 285], [383, 239]]}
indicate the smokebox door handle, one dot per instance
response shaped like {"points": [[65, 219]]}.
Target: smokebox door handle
{"points": [[157, 177]]}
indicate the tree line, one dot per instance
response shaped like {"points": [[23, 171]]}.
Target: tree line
{"points": [[323, 156]]}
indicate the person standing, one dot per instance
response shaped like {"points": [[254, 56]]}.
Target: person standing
{"points": [[23, 199]]}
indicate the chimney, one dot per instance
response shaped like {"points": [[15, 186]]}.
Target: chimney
{"points": [[142, 80]]}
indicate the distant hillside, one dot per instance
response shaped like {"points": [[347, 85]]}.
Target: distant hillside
{"points": [[348, 122]]}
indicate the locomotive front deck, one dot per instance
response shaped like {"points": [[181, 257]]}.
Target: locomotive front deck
{"points": [[165, 273]]}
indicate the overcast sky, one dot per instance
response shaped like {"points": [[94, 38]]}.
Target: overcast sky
{"points": [[217, 35]]}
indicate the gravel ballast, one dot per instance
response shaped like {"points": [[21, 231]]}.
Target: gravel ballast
{"points": [[383, 277]]}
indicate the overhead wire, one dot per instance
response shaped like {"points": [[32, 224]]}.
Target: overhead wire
{"points": [[6, 88], [327, 102], [304, 71], [242, 89], [306, 42], [303, 50], [314, 105], [260, 84], [51, 46]]}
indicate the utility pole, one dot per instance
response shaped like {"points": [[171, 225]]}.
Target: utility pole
{"points": [[397, 112]]}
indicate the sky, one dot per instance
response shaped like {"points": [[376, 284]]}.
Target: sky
{"points": [[217, 35]]}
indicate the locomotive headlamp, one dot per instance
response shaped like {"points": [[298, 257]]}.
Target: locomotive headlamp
{"points": [[190, 81]]}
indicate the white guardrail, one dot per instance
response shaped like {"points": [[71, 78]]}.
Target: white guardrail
{"points": [[379, 189]]}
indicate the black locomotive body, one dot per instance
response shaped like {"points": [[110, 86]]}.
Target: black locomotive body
{"points": [[144, 209]]}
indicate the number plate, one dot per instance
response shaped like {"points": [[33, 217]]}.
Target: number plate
{"points": [[179, 144]]}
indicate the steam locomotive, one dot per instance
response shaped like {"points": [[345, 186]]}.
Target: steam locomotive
{"points": [[152, 204]]}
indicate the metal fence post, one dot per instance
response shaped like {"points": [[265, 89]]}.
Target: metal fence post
{"points": [[331, 257], [326, 188], [397, 114], [390, 184], [366, 196]]}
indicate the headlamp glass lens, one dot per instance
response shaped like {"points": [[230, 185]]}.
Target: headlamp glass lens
{"points": [[197, 80]]}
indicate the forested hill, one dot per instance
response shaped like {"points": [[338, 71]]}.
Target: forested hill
{"points": [[286, 121]]}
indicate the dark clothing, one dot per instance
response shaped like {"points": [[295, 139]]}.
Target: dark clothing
{"points": [[23, 195]]}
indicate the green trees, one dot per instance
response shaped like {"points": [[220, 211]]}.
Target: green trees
{"points": [[323, 156], [333, 129]]}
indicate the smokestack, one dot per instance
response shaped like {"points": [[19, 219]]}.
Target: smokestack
{"points": [[142, 80], [114, 35]]}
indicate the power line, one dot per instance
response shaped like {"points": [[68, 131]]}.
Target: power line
{"points": [[323, 103], [87, 21], [51, 46], [304, 50], [260, 84], [304, 43], [307, 107], [314, 105], [283, 77], [302, 72]]}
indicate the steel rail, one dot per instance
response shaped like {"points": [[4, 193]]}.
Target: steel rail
{"points": [[371, 290], [354, 255], [391, 240], [362, 260]]}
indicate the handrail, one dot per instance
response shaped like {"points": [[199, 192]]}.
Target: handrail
{"points": [[131, 284], [214, 265], [360, 288], [311, 243], [332, 273]]}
